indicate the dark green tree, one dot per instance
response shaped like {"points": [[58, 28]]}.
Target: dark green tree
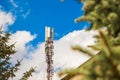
{"points": [[103, 16], [27, 74], [7, 69]]}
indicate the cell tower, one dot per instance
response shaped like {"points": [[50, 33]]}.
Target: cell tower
{"points": [[49, 33]]}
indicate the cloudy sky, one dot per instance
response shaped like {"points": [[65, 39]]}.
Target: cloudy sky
{"points": [[26, 20]]}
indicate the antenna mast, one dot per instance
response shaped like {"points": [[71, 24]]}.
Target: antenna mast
{"points": [[49, 33]]}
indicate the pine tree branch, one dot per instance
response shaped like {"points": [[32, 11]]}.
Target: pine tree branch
{"points": [[81, 49], [105, 44], [27, 74]]}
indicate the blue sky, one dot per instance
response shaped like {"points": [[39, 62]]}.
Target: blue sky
{"points": [[34, 15]]}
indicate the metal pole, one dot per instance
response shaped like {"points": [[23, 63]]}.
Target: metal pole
{"points": [[49, 52]]}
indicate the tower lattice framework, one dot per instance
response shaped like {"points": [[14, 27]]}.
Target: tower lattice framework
{"points": [[49, 52]]}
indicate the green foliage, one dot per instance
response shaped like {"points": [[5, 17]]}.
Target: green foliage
{"points": [[102, 13], [106, 64], [7, 69], [27, 74], [79, 48]]}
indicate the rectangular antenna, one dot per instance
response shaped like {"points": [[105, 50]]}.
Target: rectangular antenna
{"points": [[46, 33], [52, 34]]}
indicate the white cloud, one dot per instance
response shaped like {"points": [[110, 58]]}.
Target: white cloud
{"points": [[81, 37], [6, 19], [24, 15], [62, 0], [13, 3], [21, 38], [63, 58], [20, 7]]}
